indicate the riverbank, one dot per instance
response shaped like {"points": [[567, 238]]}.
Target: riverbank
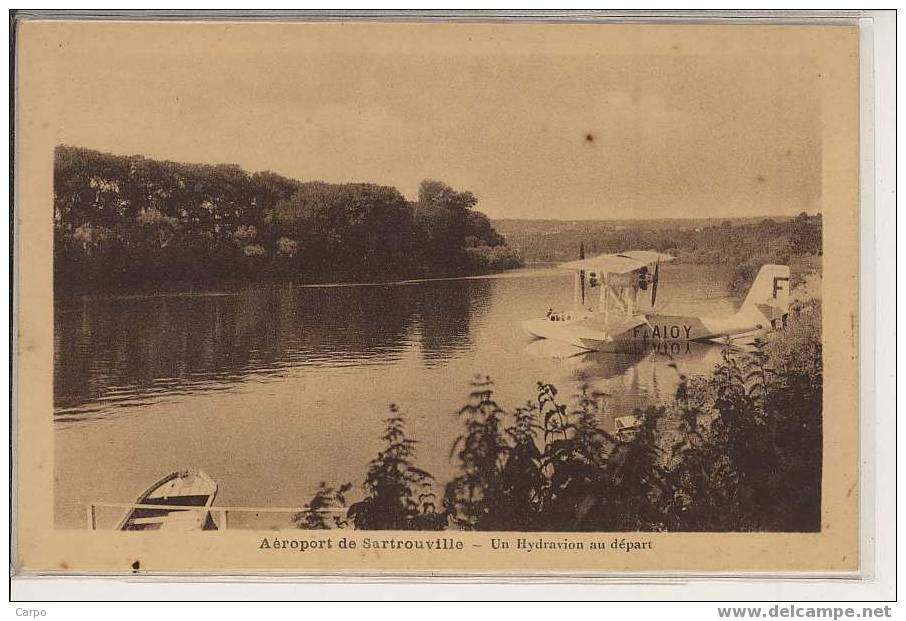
{"points": [[230, 288], [736, 450]]}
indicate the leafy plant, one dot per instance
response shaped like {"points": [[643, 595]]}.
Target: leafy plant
{"points": [[476, 499], [522, 479], [398, 495], [574, 458], [325, 509]]}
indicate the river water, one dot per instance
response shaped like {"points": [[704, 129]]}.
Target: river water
{"points": [[272, 389]]}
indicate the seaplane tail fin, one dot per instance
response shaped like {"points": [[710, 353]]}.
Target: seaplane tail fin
{"points": [[770, 293]]}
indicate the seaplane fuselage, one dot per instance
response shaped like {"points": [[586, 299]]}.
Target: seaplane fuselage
{"points": [[648, 329]]}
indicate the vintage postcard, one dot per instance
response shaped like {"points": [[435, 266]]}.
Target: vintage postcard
{"points": [[368, 297]]}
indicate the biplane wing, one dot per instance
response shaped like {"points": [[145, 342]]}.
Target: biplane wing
{"points": [[618, 319], [622, 263]]}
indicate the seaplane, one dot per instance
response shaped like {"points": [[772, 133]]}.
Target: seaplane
{"points": [[623, 320]]}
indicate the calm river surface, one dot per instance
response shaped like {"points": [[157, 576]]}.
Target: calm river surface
{"points": [[271, 389]]}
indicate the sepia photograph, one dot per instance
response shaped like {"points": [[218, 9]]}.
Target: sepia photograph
{"points": [[550, 282]]}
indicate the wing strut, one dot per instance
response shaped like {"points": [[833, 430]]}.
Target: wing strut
{"points": [[582, 272], [657, 268]]}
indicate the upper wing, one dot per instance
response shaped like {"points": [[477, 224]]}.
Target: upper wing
{"points": [[648, 257], [622, 263]]}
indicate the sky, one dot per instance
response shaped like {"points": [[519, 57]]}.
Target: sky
{"points": [[572, 126]]}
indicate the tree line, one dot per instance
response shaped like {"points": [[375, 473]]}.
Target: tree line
{"points": [[692, 241], [743, 243], [739, 450], [135, 222]]}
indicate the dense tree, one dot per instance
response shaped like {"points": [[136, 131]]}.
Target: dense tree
{"points": [[130, 221], [453, 237]]}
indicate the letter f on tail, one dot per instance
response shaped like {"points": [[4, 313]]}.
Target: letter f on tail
{"points": [[770, 294]]}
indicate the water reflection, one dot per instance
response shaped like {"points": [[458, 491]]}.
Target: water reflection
{"points": [[594, 365], [115, 352], [634, 378], [127, 349], [447, 313]]}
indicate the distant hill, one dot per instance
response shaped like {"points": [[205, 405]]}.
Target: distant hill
{"points": [[746, 243], [516, 227], [556, 240]]}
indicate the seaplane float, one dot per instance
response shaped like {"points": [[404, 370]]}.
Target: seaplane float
{"points": [[625, 321]]}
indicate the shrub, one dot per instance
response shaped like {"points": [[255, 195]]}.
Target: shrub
{"points": [[324, 510], [483, 259], [476, 499], [398, 495]]}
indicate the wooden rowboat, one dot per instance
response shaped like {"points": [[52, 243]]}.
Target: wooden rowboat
{"points": [[179, 502]]}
